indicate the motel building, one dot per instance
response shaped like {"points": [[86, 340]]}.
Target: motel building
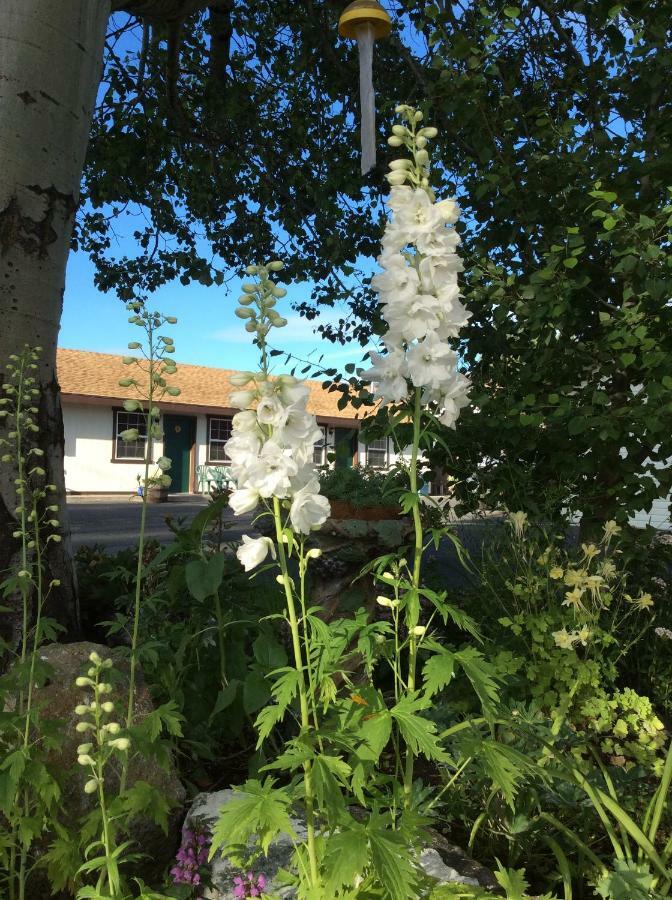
{"points": [[196, 426]]}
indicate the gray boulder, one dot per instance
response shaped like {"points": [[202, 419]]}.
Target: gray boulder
{"points": [[455, 868]]}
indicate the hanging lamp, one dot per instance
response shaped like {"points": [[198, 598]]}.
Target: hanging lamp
{"points": [[366, 21]]}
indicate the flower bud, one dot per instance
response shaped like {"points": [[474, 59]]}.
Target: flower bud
{"points": [[400, 130], [276, 265], [401, 164], [81, 709], [172, 320], [279, 579], [421, 143], [108, 706], [121, 743], [395, 141], [249, 287], [112, 727], [314, 553], [251, 327], [396, 178], [91, 786], [422, 158], [84, 748], [244, 313], [85, 726], [95, 658], [419, 630], [85, 760], [83, 682], [429, 132]]}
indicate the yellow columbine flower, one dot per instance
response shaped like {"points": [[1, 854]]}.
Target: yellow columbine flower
{"points": [[611, 529], [573, 598], [644, 601], [594, 583], [590, 551], [608, 569], [563, 639], [574, 577], [555, 573], [583, 635], [518, 521]]}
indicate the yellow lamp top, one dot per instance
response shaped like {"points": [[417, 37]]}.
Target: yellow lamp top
{"points": [[362, 12]]}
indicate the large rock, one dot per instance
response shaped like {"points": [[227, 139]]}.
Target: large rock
{"points": [[58, 699], [443, 861]]}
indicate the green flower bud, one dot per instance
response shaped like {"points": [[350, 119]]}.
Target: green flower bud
{"points": [[171, 320], [108, 706], [395, 141], [95, 658], [276, 266], [85, 726], [85, 760], [249, 287], [83, 682], [244, 313], [91, 786], [121, 743], [400, 131], [84, 748]]}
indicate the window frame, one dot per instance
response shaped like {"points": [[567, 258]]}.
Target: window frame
{"points": [[133, 460], [216, 462], [323, 445], [385, 450]]}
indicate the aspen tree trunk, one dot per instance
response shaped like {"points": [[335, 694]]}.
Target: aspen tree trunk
{"points": [[51, 55]]}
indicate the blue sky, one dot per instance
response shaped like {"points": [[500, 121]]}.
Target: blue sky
{"points": [[207, 333]]}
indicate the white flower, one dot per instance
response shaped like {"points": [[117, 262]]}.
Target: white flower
{"points": [[253, 551], [309, 508], [246, 421], [241, 399], [430, 362], [270, 411], [243, 500], [397, 278], [241, 446], [448, 210], [271, 471], [388, 375], [414, 213], [298, 428]]}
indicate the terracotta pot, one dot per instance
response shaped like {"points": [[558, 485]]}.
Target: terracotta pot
{"points": [[342, 509], [157, 494]]}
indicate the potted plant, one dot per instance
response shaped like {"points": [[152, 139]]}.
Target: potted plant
{"points": [[156, 486], [366, 494]]}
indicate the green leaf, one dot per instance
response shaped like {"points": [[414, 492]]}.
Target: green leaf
{"points": [[438, 671], [391, 859], [627, 881], [482, 676], [268, 651], [205, 576], [256, 809], [628, 358], [512, 12], [570, 263], [374, 733], [256, 691], [513, 881], [346, 856], [418, 733]]}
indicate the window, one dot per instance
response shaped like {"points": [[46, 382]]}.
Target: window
{"points": [[377, 453], [219, 431], [320, 448], [131, 450]]}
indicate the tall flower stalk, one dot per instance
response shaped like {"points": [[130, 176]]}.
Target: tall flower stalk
{"points": [[271, 453], [36, 527], [420, 301], [153, 368]]}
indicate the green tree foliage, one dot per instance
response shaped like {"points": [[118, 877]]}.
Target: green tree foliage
{"points": [[560, 140], [236, 136]]}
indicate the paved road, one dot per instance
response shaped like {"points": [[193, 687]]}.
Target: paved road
{"points": [[114, 522]]}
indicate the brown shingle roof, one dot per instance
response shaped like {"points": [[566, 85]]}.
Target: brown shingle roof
{"points": [[85, 376]]}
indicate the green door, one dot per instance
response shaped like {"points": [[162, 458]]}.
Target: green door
{"points": [[178, 440], [344, 447]]}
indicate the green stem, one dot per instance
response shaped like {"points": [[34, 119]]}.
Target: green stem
{"points": [[303, 565], [303, 699], [220, 639], [412, 618], [141, 549]]}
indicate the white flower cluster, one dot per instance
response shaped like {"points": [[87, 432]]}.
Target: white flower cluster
{"points": [[271, 448], [417, 286]]}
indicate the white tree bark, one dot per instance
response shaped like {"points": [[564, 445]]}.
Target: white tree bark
{"points": [[50, 64]]}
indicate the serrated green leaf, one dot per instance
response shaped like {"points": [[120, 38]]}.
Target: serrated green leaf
{"points": [[346, 857], [482, 676], [258, 809], [418, 733], [438, 672]]}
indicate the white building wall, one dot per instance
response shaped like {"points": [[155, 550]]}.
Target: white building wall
{"points": [[89, 450]]}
